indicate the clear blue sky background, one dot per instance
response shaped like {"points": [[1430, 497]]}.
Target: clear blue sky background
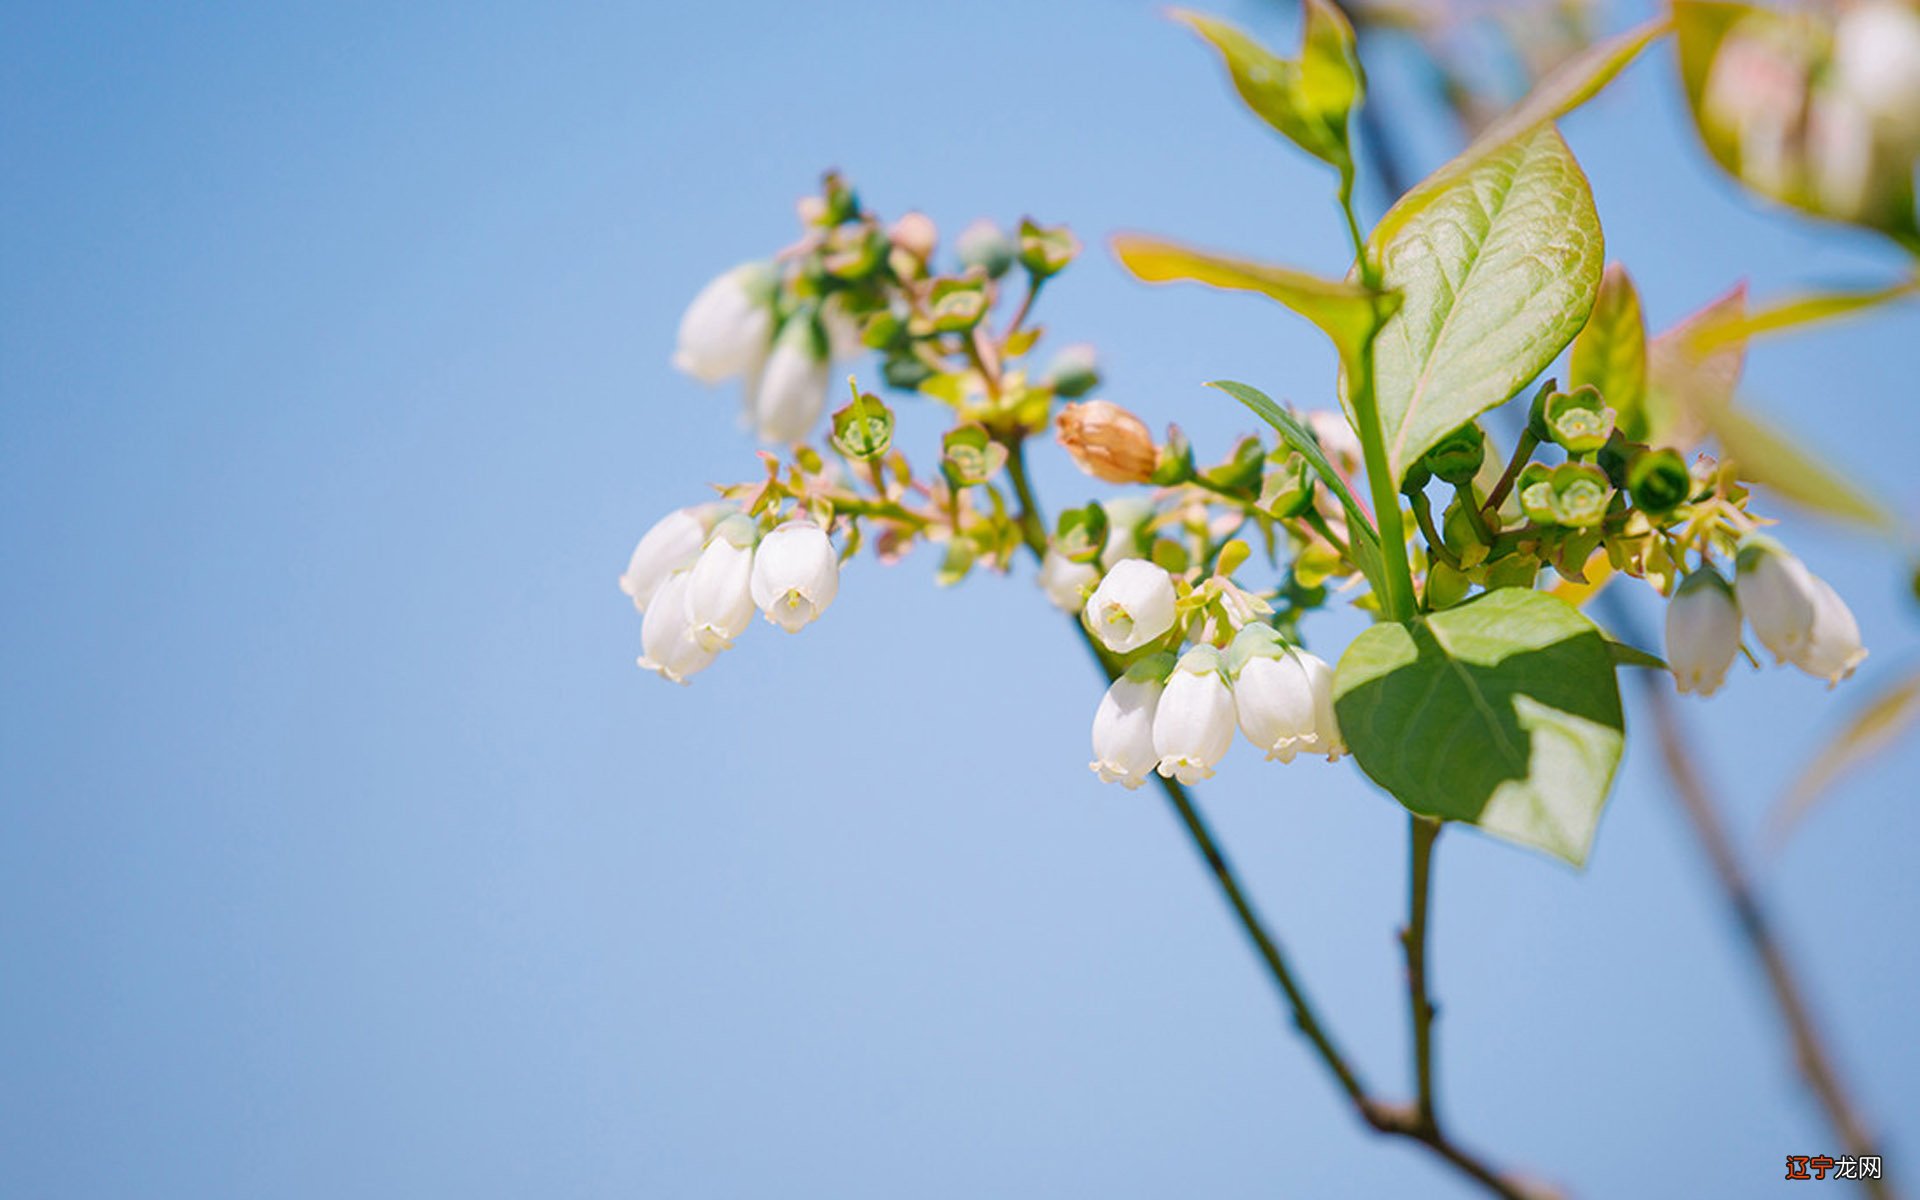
{"points": [[343, 851]]}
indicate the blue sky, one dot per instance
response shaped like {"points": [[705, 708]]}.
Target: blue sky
{"points": [[343, 851]]}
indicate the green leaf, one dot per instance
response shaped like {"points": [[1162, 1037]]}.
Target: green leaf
{"points": [[1628, 655], [1496, 274], [1795, 313], [1360, 531], [1347, 312], [1503, 712], [1875, 727], [1686, 380], [1611, 352], [1572, 84], [1306, 101]]}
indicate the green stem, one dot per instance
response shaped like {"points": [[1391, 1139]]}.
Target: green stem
{"points": [[1425, 831], [1423, 517], [1522, 452]]}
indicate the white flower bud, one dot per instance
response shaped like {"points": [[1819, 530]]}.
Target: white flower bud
{"points": [[796, 574], [725, 330], [1703, 632], [1326, 725], [1123, 749], [1833, 647], [786, 397], [1876, 61], [1066, 582], [843, 329], [667, 644], [1776, 593], [1193, 724], [719, 604], [1125, 516], [671, 545], [1133, 605]]}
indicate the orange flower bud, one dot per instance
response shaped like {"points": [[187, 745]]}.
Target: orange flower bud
{"points": [[915, 233], [1107, 441]]}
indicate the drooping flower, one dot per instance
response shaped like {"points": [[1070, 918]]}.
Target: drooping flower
{"points": [[1066, 582], [1703, 632], [1133, 605], [1876, 62], [1123, 747], [726, 329], [670, 545], [668, 646], [1193, 724], [796, 574], [786, 397], [719, 603], [1273, 693], [1326, 724], [1796, 614]]}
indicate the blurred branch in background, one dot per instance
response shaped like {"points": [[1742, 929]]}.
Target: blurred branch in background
{"points": [[1538, 36]]}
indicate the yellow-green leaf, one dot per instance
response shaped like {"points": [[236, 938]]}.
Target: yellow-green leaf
{"points": [[1610, 354], [1883, 720], [1797, 312], [1685, 381], [1305, 100], [1345, 311]]}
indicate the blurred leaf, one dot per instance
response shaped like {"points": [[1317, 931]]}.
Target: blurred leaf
{"points": [[1345, 311], [1763, 454], [1364, 542], [1503, 712], [1306, 101], [1496, 272], [1796, 313], [1610, 354], [1625, 655], [1684, 382], [1881, 722], [1575, 82]]}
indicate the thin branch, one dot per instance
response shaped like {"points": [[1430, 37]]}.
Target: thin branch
{"points": [[1423, 833], [1413, 1122]]}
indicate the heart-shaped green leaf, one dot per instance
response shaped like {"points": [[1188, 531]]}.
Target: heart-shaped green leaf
{"points": [[1495, 274], [1503, 712]]}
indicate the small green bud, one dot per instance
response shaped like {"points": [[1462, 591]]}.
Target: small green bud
{"points": [[1046, 250], [983, 245], [1614, 457], [1073, 372], [1535, 489], [1580, 420], [1286, 490], [1175, 464], [1658, 481], [1240, 471], [962, 553], [1316, 563], [1081, 534], [1446, 587], [954, 306], [1580, 495], [1456, 460], [1170, 556], [853, 252], [1416, 480], [905, 371], [883, 330], [863, 429], [838, 202], [969, 456], [1461, 536]]}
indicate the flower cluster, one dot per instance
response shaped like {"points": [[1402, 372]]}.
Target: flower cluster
{"points": [[1177, 715], [1796, 615], [699, 574]]}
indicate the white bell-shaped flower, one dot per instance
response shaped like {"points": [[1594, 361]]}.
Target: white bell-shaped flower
{"points": [[1123, 749], [787, 395], [796, 574], [719, 600], [667, 644], [724, 332], [1776, 594], [1133, 605], [1193, 724], [1066, 582], [1326, 725], [1703, 632], [1876, 61], [671, 545], [842, 327], [1273, 695], [1833, 647]]}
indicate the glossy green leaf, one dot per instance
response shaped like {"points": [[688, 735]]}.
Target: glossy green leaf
{"points": [[1305, 100], [1496, 274], [1360, 531], [1572, 84], [1890, 715], [1345, 311], [1503, 712], [1610, 354]]}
